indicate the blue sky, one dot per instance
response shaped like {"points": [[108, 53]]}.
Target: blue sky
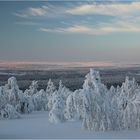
{"points": [[70, 31]]}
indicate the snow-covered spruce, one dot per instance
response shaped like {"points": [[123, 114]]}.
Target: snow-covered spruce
{"points": [[13, 101], [7, 111], [99, 108], [32, 88], [50, 88], [129, 105], [50, 91], [95, 103], [70, 110], [102, 109], [40, 100], [57, 104], [56, 114]]}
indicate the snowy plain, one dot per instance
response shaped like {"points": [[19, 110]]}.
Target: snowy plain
{"points": [[37, 126]]}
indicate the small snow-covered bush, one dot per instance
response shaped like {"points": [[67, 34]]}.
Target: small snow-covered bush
{"points": [[25, 104], [9, 112]]}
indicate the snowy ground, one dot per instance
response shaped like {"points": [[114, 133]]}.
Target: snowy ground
{"points": [[36, 125]]}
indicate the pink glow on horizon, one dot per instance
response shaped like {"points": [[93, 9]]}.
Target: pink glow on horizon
{"points": [[84, 64]]}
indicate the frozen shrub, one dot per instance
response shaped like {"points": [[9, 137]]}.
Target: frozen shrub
{"points": [[9, 112]]}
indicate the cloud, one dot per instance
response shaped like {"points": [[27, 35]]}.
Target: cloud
{"points": [[72, 29], [125, 17], [27, 23], [32, 11], [106, 28], [48, 10], [111, 9]]}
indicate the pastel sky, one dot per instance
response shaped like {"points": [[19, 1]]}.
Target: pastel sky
{"points": [[70, 31]]}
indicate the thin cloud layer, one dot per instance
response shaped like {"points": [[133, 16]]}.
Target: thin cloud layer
{"points": [[31, 11], [118, 9], [93, 30], [124, 17]]}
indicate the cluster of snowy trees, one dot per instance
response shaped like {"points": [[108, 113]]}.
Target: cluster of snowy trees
{"points": [[99, 108]]}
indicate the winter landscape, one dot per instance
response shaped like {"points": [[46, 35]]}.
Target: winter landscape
{"points": [[70, 69], [94, 111]]}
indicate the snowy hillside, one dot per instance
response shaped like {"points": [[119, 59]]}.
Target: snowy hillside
{"points": [[84, 113], [36, 125]]}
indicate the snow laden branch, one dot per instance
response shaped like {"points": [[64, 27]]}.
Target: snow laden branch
{"points": [[98, 108]]}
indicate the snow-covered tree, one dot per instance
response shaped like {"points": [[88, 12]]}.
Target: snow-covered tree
{"points": [[113, 94], [60, 100], [12, 83], [95, 103], [78, 103], [25, 104], [15, 97], [56, 114], [32, 88], [40, 100], [12, 89], [50, 88], [129, 105], [44, 99], [70, 111], [99, 108], [14, 94], [50, 91], [51, 101], [74, 106], [63, 91], [3, 98], [9, 112]]}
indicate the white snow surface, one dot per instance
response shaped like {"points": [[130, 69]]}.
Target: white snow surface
{"points": [[36, 125]]}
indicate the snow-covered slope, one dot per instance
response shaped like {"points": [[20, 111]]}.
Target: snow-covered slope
{"points": [[101, 112], [36, 125]]}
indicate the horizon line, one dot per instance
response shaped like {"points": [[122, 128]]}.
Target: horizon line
{"points": [[14, 63]]}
